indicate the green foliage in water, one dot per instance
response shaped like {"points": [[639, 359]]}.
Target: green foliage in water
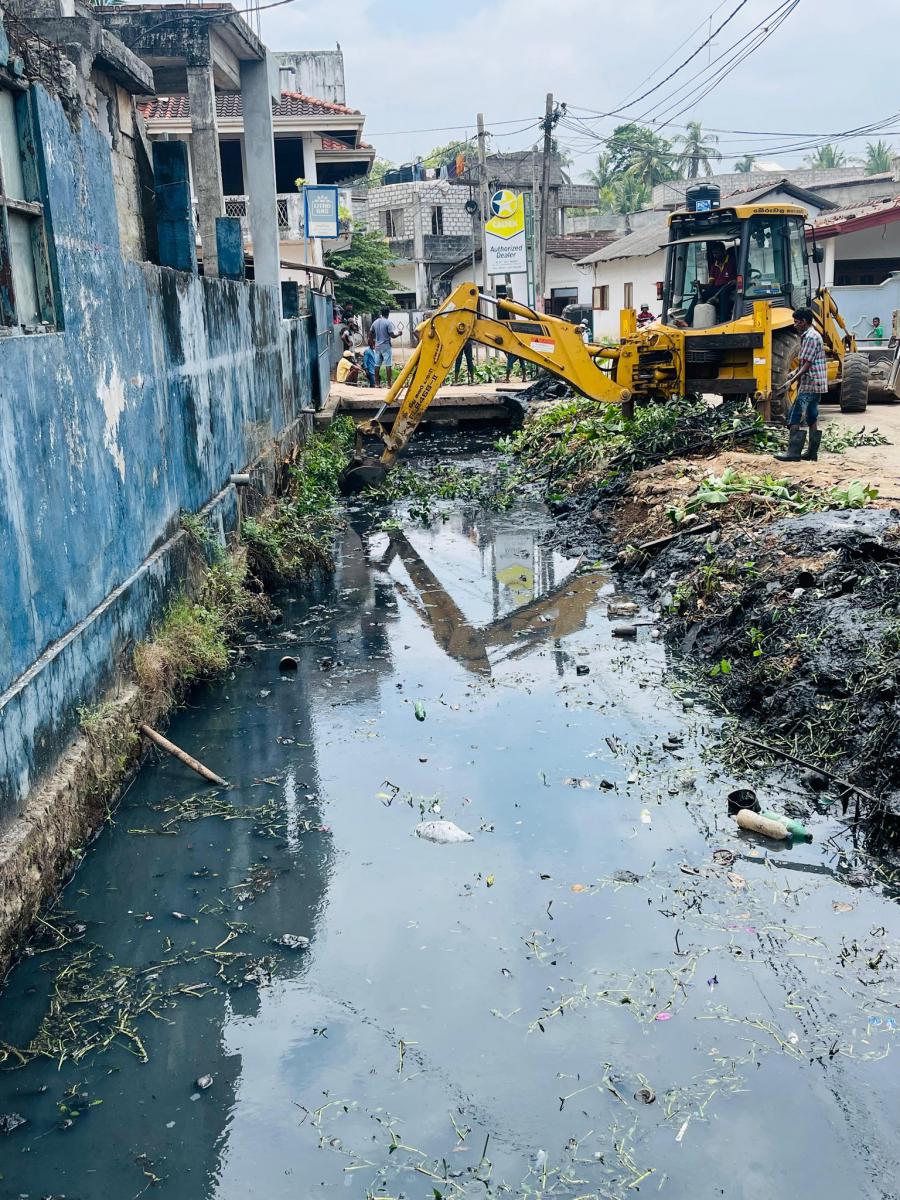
{"points": [[425, 488]]}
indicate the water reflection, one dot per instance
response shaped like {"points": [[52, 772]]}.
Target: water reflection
{"points": [[496, 590]]}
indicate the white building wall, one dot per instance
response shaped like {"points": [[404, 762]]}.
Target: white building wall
{"points": [[880, 242], [643, 273], [563, 273]]}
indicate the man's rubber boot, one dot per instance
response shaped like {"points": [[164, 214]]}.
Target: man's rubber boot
{"points": [[795, 445], [815, 440]]}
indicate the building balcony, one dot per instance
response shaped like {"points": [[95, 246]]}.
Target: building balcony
{"points": [[289, 207]]}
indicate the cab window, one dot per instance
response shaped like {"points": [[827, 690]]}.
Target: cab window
{"points": [[767, 254], [800, 287]]}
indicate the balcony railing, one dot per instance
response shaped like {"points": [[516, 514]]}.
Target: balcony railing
{"points": [[289, 208]]}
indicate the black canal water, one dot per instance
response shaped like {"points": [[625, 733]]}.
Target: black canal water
{"points": [[479, 1019]]}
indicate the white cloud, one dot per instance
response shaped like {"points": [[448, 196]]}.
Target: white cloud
{"points": [[414, 66]]}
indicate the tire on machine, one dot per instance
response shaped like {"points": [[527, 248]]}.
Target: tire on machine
{"points": [[854, 393], [785, 348]]}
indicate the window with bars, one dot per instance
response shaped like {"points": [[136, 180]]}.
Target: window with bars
{"points": [[437, 220], [26, 293]]}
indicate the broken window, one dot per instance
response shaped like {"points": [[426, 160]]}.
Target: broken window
{"points": [[26, 298], [437, 220], [393, 222]]}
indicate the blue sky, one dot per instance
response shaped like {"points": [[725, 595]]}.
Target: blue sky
{"points": [[417, 66]]}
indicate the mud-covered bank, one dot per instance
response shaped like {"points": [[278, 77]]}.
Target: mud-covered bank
{"points": [[777, 583]]}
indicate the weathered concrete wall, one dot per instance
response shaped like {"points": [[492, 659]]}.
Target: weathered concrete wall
{"points": [[157, 387]]}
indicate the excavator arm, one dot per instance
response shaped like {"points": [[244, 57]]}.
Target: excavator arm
{"points": [[503, 325]]}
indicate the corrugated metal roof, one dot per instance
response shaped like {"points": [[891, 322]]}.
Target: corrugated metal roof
{"points": [[229, 106], [640, 244]]}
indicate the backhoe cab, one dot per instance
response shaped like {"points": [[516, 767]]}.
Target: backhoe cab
{"points": [[734, 275]]}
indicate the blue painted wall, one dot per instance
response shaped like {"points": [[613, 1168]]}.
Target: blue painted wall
{"points": [[158, 386]]}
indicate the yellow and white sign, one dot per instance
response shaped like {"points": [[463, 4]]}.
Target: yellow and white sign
{"points": [[505, 234]]}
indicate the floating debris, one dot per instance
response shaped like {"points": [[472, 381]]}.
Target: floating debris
{"points": [[445, 833]]}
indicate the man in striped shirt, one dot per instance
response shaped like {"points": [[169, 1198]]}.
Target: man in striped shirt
{"points": [[812, 378]]}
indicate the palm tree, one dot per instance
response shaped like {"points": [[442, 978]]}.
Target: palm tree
{"points": [[601, 175], [624, 194], [826, 157], [745, 165], [698, 150], [879, 157]]}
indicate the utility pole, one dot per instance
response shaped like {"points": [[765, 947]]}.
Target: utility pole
{"points": [[548, 124], [483, 199]]}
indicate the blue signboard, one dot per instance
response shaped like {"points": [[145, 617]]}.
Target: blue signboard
{"points": [[321, 211]]}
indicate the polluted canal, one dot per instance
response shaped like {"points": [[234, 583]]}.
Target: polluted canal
{"points": [[283, 990]]}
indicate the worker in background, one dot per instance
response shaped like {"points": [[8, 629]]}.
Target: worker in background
{"points": [[876, 333], [370, 361], [466, 353], [347, 368], [645, 316], [811, 377], [385, 331]]}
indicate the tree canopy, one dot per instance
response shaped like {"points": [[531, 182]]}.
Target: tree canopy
{"points": [[745, 165], [367, 285], [636, 150]]}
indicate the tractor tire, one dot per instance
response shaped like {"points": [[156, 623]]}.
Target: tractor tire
{"points": [[785, 348], [854, 383]]}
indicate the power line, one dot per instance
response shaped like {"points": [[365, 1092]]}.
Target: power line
{"points": [[669, 57], [734, 12], [762, 34]]}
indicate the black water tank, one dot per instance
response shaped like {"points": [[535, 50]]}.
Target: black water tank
{"points": [[703, 197]]}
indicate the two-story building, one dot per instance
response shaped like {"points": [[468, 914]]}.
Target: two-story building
{"points": [[432, 229], [317, 139]]}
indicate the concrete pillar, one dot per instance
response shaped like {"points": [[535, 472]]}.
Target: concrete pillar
{"points": [[419, 254], [827, 267], [259, 171], [174, 219], [230, 248], [207, 165], [311, 175]]}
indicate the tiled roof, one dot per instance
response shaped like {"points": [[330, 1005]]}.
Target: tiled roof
{"points": [[229, 106], [577, 245], [868, 214], [330, 143]]}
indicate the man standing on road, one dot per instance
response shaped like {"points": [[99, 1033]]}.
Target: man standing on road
{"points": [[812, 378], [384, 331]]}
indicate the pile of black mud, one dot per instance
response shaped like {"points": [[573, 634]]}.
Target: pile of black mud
{"points": [[796, 623]]}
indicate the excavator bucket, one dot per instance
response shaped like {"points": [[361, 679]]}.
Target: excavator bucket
{"points": [[360, 475]]}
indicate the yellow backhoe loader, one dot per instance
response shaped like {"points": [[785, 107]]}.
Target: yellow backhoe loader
{"points": [[734, 275]]}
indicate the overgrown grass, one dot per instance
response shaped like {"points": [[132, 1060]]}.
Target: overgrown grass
{"points": [[291, 537]]}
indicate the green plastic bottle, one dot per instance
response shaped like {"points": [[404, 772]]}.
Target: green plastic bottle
{"points": [[797, 831]]}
